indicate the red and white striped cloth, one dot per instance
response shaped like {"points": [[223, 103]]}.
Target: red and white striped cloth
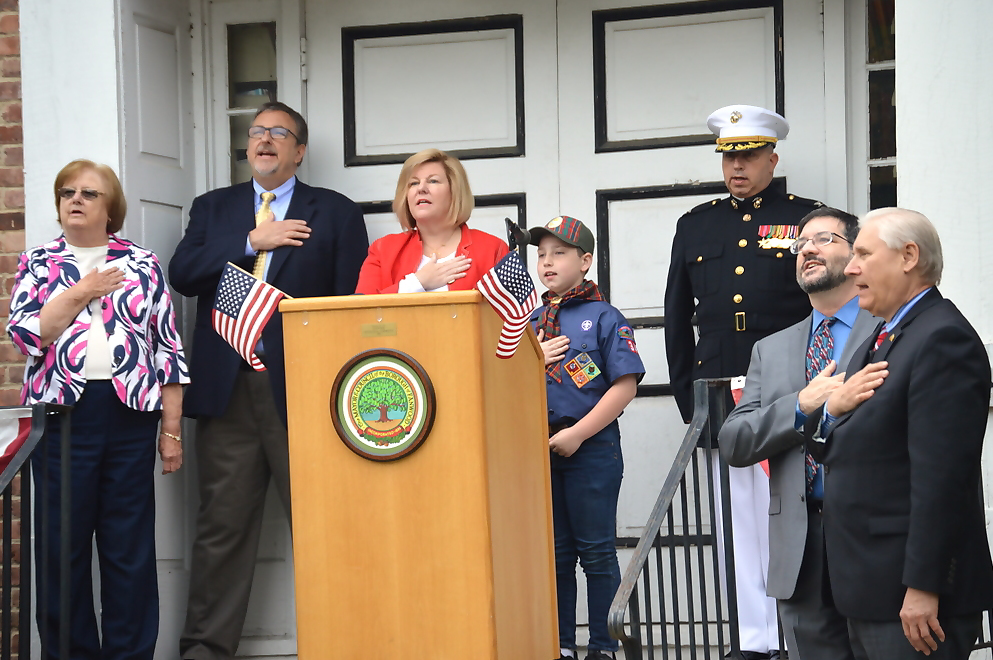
{"points": [[242, 308]]}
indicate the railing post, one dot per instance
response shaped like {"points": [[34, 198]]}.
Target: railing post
{"points": [[718, 409], [65, 536]]}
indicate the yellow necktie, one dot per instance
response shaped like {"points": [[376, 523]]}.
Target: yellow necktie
{"points": [[259, 269]]}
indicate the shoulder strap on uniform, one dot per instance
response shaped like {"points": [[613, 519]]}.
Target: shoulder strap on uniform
{"points": [[803, 201], [703, 207]]}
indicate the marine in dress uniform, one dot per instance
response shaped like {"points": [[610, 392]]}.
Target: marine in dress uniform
{"points": [[731, 267]]}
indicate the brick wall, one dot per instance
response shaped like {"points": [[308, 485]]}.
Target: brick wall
{"points": [[11, 192], [11, 244]]}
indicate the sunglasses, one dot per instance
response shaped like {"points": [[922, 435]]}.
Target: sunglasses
{"points": [[277, 132], [86, 193]]}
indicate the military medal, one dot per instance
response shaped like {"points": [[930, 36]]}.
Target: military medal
{"points": [[777, 237]]}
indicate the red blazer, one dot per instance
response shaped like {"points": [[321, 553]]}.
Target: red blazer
{"points": [[393, 257]]}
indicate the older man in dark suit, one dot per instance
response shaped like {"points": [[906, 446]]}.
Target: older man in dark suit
{"points": [[902, 439], [306, 242], [792, 372]]}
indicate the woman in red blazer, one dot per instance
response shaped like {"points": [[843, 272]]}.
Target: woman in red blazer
{"points": [[436, 251]]}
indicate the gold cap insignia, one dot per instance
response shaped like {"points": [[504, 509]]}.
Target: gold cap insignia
{"points": [[735, 117]]}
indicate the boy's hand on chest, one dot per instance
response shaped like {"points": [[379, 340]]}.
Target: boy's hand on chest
{"points": [[553, 349]]}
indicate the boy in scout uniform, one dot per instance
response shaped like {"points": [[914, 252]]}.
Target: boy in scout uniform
{"points": [[731, 266], [592, 370]]}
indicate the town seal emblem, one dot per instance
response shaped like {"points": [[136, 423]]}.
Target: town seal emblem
{"points": [[382, 404]]}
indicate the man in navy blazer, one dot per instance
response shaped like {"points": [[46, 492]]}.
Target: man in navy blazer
{"points": [[310, 243], [901, 439]]}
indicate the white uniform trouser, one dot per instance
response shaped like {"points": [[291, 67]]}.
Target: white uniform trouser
{"points": [[758, 629]]}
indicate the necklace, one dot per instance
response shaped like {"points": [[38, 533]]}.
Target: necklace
{"points": [[428, 250]]}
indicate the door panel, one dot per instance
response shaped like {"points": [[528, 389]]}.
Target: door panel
{"points": [[158, 178], [474, 78]]}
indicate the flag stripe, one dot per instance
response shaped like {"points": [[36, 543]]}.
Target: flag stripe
{"points": [[509, 289]]}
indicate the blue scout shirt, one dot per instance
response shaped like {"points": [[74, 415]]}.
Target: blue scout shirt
{"points": [[601, 350]]}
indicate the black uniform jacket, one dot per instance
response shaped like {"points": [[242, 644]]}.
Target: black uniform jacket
{"points": [[327, 264], [745, 284], [902, 499]]}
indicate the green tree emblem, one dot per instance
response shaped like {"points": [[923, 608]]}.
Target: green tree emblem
{"points": [[383, 395]]}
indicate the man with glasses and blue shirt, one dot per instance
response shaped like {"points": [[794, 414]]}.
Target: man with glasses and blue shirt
{"points": [[791, 373], [306, 242]]}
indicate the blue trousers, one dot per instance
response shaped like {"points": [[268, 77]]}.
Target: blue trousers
{"points": [[584, 512], [112, 463]]}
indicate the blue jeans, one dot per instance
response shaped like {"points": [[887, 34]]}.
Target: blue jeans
{"points": [[584, 510]]}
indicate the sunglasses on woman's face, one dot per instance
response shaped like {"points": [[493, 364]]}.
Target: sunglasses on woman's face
{"points": [[86, 193]]}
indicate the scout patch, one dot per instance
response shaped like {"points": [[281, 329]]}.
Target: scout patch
{"points": [[627, 334], [777, 237], [582, 369], [586, 325]]}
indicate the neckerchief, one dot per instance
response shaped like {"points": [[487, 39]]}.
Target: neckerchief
{"points": [[549, 321]]}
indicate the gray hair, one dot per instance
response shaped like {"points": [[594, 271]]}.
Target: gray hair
{"points": [[897, 227]]}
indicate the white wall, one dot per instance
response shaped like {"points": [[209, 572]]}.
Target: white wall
{"points": [[70, 99], [944, 133]]}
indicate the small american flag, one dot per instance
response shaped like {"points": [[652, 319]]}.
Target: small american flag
{"points": [[509, 288], [241, 309]]}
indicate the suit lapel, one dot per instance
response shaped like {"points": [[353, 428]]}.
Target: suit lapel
{"points": [[930, 299], [863, 329], [242, 208], [796, 344], [301, 207]]}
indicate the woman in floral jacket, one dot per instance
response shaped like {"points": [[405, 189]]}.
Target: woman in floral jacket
{"points": [[92, 313]]}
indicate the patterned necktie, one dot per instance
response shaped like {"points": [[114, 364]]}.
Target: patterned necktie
{"points": [[880, 338], [818, 355], [259, 269]]}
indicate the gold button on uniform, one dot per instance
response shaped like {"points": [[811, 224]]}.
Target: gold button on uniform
{"points": [[747, 217], [700, 258], [779, 255], [737, 297], [743, 243], [739, 270]]}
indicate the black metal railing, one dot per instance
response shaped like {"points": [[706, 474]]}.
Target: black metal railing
{"points": [[16, 479], [673, 599]]}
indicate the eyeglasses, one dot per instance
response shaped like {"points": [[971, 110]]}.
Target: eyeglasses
{"points": [[820, 239], [87, 193], [277, 132]]}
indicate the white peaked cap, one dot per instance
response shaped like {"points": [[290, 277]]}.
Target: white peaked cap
{"points": [[746, 127]]}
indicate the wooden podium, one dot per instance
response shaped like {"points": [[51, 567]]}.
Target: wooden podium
{"points": [[446, 552]]}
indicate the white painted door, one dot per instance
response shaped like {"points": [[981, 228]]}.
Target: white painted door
{"points": [[615, 99], [636, 85], [158, 175]]}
